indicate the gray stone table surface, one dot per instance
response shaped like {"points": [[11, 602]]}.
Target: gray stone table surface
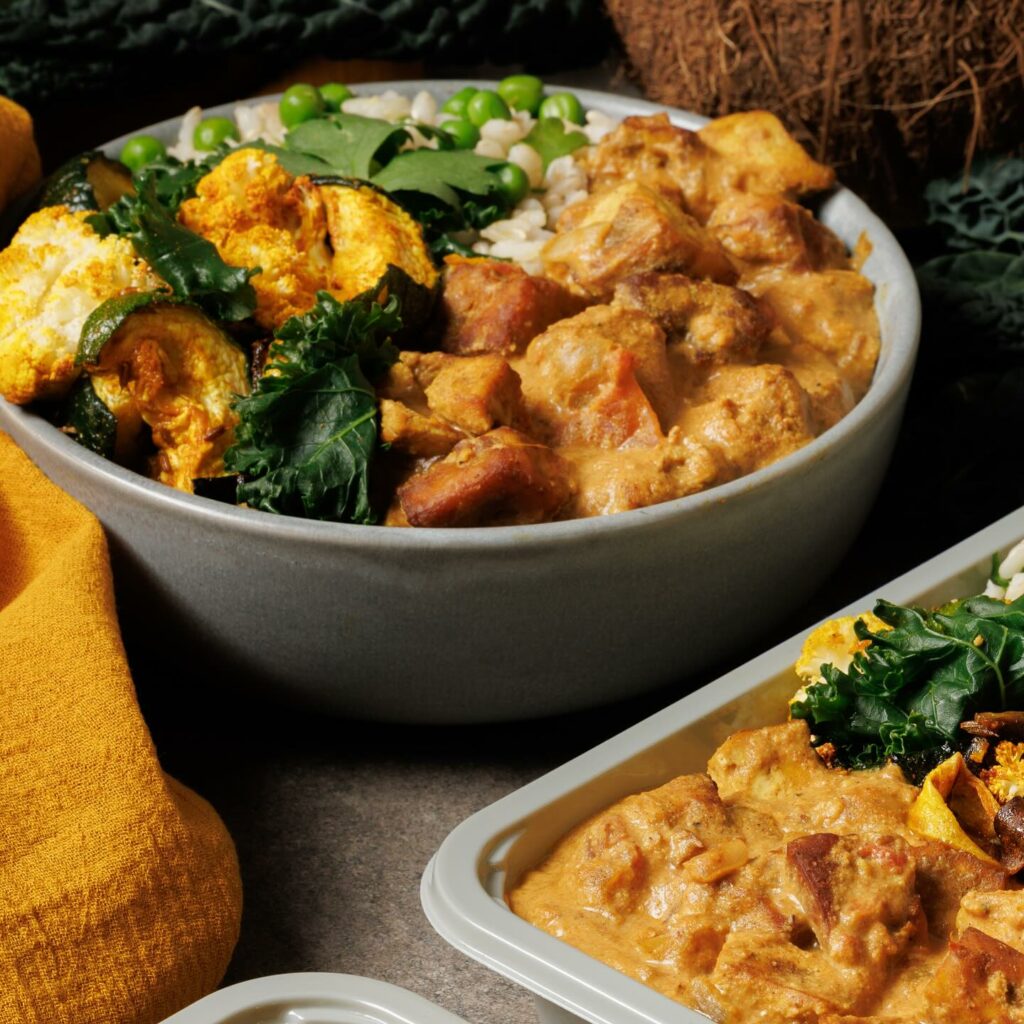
{"points": [[334, 821]]}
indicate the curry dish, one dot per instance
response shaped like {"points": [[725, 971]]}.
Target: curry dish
{"points": [[781, 888], [690, 323]]}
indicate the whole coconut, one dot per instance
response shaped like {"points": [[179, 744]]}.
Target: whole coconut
{"points": [[889, 92]]}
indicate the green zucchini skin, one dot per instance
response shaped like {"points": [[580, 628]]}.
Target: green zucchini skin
{"points": [[101, 324], [90, 181], [88, 421]]}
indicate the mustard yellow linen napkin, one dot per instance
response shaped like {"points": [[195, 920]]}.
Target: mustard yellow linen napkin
{"points": [[19, 158], [120, 897]]}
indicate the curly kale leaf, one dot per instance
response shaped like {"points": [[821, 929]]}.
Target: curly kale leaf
{"points": [[307, 435], [911, 688], [188, 262], [985, 212]]}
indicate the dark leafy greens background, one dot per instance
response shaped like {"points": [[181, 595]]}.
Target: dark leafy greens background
{"points": [[91, 47]]}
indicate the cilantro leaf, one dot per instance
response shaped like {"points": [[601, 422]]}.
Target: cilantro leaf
{"points": [[307, 434], [440, 173], [911, 688], [294, 163], [549, 137], [349, 145]]}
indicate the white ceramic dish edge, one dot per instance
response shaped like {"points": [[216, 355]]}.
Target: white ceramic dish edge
{"points": [[314, 999], [463, 885]]}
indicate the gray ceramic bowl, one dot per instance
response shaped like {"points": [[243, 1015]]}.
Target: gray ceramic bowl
{"points": [[513, 622]]}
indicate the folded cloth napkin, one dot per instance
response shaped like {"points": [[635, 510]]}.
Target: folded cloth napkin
{"points": [[19, 158], [120, 897]]}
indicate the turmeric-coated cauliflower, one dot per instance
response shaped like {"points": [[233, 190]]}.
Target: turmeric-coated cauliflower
{"points": [[1006, 777], [172, 368], [305, 234], [54, 273], [246, 206]]}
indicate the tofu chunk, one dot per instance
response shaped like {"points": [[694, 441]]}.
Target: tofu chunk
{"points": [[55, 272], [627, 230], [422, 435], [751, 416], [708, 323], [477, 393], [834, 312], [672, 161], [762, 157], [620, 479], [594, 379], [502, 478], [857, 894], [492, 306], [768, 230]]}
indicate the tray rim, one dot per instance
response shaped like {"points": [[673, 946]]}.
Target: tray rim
{"points": [[453, 890]]}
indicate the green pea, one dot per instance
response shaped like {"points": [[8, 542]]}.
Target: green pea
{"points": [[486, 106], [522, 92], [563, 105], [142, 150], [300, 103], [334, 94], [209, 134], [513, 183], [465, 134], [457, 104]]}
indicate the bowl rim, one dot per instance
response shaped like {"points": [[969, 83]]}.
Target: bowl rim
{"points": [[896, 362]]}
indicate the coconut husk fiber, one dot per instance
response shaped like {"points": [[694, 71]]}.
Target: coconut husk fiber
{"points": [[890, 92]]}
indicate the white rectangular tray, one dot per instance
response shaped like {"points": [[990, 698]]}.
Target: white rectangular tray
{"points": [[313, 999], [464, 885]]}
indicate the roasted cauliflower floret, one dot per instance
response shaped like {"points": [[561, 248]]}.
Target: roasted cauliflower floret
{"points": [[55, 272], [248, 208], [170, 367], [1006, 777]]}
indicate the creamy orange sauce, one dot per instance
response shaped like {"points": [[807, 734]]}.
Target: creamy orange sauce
{"points": [[776, 890]]}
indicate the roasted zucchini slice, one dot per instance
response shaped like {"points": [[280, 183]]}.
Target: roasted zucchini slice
{"points": [[369, 232], [165, 365], [89, 181]]}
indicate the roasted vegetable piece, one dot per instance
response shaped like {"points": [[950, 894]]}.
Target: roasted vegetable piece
{"points": [[1009, 825], [88, 420], [499, 479], [369, 232], [89, 181], [171, 367], [951, 802], [247, 208], [1006, 777], [55, 272]]}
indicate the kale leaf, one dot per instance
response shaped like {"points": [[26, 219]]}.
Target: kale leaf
{"points": [[985, 212], [307, 435], [188, 262], [349, 145], [913, 686]]}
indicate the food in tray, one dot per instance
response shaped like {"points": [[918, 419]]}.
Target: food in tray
{"points": [[507, 310], [859, 864]]}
